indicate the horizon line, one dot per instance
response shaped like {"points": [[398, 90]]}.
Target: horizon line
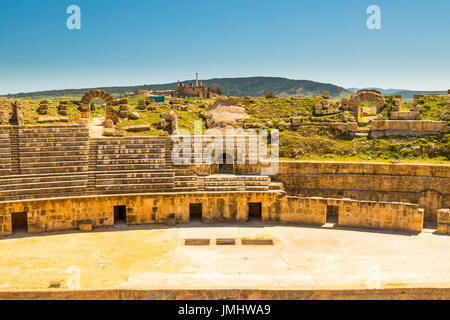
{"points": [[218, 78]]}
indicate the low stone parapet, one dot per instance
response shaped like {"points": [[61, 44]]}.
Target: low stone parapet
{"points": [[407, 128], [404, 115]]}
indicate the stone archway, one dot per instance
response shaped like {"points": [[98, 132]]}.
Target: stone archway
{"points": [[88, 96], [366, 95]]}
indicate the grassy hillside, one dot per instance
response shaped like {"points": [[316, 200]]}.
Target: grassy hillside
{"points": [[253, 86], [309, 141]]}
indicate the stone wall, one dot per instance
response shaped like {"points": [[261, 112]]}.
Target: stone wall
{"points": [[424, 184], [380, 215], [443, 221], [407, 128], [66, 214], [232, 294], [345, 127]]}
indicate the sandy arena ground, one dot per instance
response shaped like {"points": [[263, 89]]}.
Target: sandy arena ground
{"points": [[156, 257]]}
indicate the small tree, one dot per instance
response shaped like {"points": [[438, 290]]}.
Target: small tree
{"points": [[216, 90]]}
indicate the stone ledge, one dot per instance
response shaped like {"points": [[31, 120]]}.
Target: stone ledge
{"points": [[232, 294]]}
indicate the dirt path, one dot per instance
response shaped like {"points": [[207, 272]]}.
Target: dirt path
{"points": [[96, 127]]}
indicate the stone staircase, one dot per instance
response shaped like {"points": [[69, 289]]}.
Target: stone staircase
{"points": [[17, 187], [92, 164], [5, 152], [61, 161]]}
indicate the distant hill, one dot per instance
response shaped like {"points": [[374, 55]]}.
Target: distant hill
{"points": [[407, 94], [252, 86]]}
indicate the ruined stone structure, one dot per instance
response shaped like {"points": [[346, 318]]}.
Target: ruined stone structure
{"points": [[372, 96], [57, 178], [85, 104], [407, 128], [62, 108], [197, 89], [404, 115], [443, 221], [324, 107]]}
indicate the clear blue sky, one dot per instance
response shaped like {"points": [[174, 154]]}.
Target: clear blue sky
{"points": [[144, 41]]}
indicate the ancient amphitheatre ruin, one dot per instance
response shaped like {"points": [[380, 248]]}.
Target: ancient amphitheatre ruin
{"points": [[59, 177]]}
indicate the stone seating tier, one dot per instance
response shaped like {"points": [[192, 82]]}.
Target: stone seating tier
{"points": [[40, 186], [131, 154]]}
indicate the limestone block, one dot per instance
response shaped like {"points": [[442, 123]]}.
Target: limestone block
{"points": [[109, 123], [405, 115], [134, 115], [120, 133], [443, 221], [85, 225], [123, 113], [137, 128], [296, 121], [108, 132]]}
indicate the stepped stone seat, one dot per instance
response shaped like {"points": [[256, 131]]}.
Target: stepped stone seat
{"points": [[52, 158], [63, 142], [5, 153], [55, 154], [41, 192], [141, 187], [126, 181], [41, 185], [131, 161], [50, 148], [52, 135], [53, 149], [130, 166], [54, 169], [15, 187], [130, 156], [276, 186]]}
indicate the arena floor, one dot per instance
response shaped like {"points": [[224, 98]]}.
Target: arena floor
{"points": [[149, 257]]}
